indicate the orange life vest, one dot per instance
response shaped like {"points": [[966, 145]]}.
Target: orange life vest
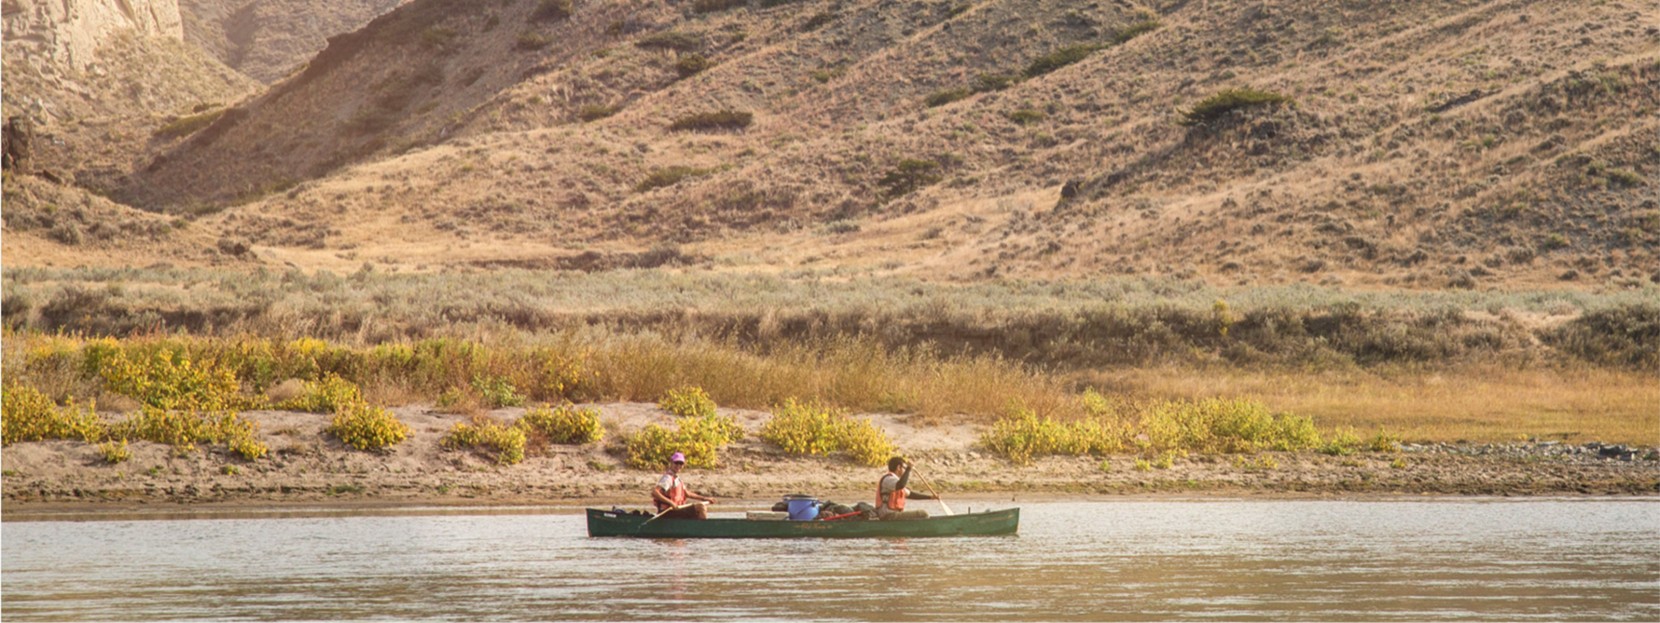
{"points": [[676, 493], [894, 500]]}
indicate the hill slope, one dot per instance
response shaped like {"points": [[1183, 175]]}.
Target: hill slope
{"points": [[1427, 144]]}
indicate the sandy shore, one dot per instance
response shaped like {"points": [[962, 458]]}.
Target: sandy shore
{"points": [[309, 469]]}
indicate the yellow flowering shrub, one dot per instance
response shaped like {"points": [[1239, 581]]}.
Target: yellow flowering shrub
{"points": [[564, 424], [504, 444], [688, 401], [367, 428], [815, 429]]}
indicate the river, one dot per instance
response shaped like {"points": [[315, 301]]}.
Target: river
{"points": [[1279, 560]]}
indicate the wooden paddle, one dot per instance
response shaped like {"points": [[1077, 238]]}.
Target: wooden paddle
{"points": [[930, 484], [672, 509]]}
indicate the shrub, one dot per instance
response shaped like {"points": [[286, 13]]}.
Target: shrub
{"points": [[595, 112], [189, 124], [1059, 58], [326, 396], [497, 391], [26, 414], [943, 97], [690, 64], [1344, 442], [1135, 30], [169, 380], [553, 10], [714, 6], [670, 40], [503, 444], [1215, 107], [717, 120], [910, 175], [532, 41], [564, 424], [1213, 425], [368, 428], [815, 429], [688, 401], [183, 429], [700, 438], [992, 82], [669, 176], [1026, 116], [114, 451]]}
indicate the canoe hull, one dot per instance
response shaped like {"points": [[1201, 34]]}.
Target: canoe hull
{"points": [[990, 523]]}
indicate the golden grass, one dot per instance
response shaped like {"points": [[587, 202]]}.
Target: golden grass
{"points": [[1473, 403]]}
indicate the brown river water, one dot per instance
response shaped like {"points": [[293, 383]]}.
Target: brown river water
{"points": [[1254, 560]]}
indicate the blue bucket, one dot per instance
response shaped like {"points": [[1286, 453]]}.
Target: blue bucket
{"points": [[802, 508]]}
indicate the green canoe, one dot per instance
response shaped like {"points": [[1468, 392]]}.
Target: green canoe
{"points": [[614, 523]]}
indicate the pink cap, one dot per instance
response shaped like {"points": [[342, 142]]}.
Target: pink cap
{"points": [[677, 458]]}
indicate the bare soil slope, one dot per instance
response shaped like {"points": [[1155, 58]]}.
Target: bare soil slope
{"points": [[268, 39]]}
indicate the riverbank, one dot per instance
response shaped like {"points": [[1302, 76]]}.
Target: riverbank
{"points": [[307, 467]]}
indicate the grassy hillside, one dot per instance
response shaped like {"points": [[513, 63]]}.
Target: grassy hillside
{"points": [[1432, 144]]}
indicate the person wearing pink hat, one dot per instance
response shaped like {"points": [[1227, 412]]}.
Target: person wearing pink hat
{"points": [[671, 494]]}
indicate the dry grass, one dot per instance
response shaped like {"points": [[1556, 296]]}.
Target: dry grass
{"points": [[1473, 403]]}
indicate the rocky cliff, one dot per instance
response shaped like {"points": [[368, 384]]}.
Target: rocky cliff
{"points": [[68, 33]]}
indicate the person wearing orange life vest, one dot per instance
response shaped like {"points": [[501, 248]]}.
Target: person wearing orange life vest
{"points": [[671, 492], [891, 493]]}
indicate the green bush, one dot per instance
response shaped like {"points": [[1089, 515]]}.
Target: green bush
{"points": [[326, 396], [714, 6], [553, 10], [1135, 30], [503, 444], [946, 96], [114, 451], [992, 82], [669, 176], [1059, 58], [670, 40], [367, 428], [28, 415], [1026, 116], [815, 429], [910, 175], [688, 401], [189, 124], [595, 112], [1212, 425], [690, 64], [497, 391], [564, 424], [717, 120], [170, 380], [700, 438], [1215, 107]]}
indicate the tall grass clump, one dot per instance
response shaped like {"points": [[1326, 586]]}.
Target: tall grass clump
{"points": [[1215, 107], [564, 424], [499, 442], [815, 429], [1059, 58]]}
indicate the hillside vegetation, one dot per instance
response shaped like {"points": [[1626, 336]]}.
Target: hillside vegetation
{"points": [[1426, 144]]}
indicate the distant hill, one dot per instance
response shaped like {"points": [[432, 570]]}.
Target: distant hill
{"points": [[1430, 144], [99, 78], [267, 39]]}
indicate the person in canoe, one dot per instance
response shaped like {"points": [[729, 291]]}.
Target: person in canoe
{"points": [[891, 493], [671, 493]]}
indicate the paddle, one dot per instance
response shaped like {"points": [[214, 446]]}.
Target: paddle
{"points": [[930, 484], [672, 509]]}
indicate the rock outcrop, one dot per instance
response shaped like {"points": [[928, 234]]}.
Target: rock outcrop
{"points": [[68, 33]]}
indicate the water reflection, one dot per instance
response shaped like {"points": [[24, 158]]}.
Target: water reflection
{"points": [[1236, 560]]}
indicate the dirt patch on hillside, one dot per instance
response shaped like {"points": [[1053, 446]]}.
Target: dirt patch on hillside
{"points": [[307, 467]]}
